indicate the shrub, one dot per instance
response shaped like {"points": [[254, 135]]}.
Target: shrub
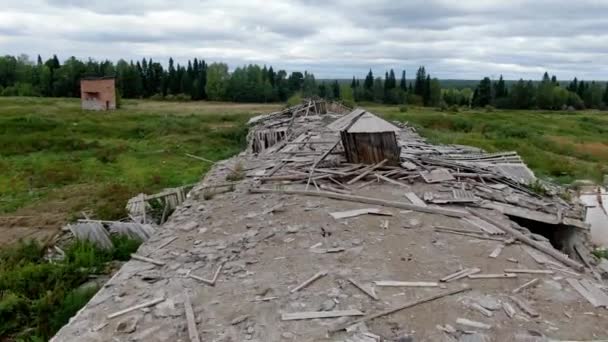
{"points": [[295, 99], [403, 109], [237, 173]]}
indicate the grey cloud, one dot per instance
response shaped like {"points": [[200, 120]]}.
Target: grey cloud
{"points": [[453, 39]]}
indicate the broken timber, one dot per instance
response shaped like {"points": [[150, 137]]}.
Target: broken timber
{"points": [[401, 307], [309, 281], [136, 307], [192, 331], [319, 314], [361, 199]]}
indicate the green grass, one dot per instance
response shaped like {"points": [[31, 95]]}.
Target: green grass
{"points": [[54, 157], [38, 297], [561, 146]]}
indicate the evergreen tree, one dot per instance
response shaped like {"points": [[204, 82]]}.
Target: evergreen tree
{"points": [[420, 82], [368, 84], [501, 89], [336, 90], [485, 93], [426, 95], [353, 84], [605, 97], [403, 83]]}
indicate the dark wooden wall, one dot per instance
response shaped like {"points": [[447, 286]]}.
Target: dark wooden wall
{"points": [[371, 148]]}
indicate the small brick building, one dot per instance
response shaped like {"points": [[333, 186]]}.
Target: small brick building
{"points": [[98, 93]]}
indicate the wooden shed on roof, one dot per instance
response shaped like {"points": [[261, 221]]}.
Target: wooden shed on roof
{"points": [[367, 138]]}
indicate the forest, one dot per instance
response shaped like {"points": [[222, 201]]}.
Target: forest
{"points": [[198, 80]]}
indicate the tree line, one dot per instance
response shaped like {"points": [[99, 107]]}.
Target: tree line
{"points": [[197, 80]]}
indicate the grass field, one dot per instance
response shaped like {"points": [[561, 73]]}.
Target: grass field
{"points": [[561, 146], [56, 160]]}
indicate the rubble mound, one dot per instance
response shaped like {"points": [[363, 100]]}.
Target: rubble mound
{"points": [[410, 242]]}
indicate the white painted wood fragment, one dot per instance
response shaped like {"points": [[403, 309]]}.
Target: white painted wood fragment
{"points": [[319, 314], [526, 285], [309, 281], [358, 212], [524, 306], [491, 276], [473, 324], [469, 271], [482, 310], [509, 310], [496, 252], [190, 318], [412, 197], [522, 270], [405, 283], [363, 289], [136, 307], [145, 259]]}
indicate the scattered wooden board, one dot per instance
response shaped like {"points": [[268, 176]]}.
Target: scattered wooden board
{"points": [[524, 306], [191, 319], [401, 307], [309, 281], [473, 324], [369, 292], [136, 307], [357, 212], [319, 314], [412, 197], [529, 271], [492, 276], [496, 252], [145, 259], [460, 274], [526, 285], [393, 283]]}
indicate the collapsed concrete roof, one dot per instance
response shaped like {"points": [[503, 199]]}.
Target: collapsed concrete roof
{"points": [[306, 245]]}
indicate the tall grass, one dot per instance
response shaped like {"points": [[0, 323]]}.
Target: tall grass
{"points": [[38, 297]]}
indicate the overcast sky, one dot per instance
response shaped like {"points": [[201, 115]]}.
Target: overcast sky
{"points": [[464, 39]]}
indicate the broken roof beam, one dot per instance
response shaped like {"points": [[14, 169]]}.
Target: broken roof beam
{"points": [[362, 199]]}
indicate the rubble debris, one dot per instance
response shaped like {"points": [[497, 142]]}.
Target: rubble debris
{"points": [[403, 307], [496, 252], [460, 274], [92, 231], [362, 199], [210, 282], [528, 271], [492, 276]]}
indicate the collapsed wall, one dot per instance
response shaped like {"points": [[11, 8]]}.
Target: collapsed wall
{"points": [[450, 244]]}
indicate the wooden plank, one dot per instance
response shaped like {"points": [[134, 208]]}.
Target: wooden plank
{"points": [[601, 297], [496, 252], [363, 289], [526, 285], [144, 259], [527, 240], [469, 235], [394, 283], [366, 172], [323, 156], [401, 307], [412, 197], [319, 314], [522, 270], [583, 292], [136, 307], [309, 281], [473, 324], [492, 276], [468, 272], [508, 308], [362, 199], [524, 306], [358, 212], [190, 318], [386, 179]]}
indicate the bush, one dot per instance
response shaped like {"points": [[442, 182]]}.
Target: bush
{"points": [[403, 109], [489, 109], [295, 99], [37, 297], [157, 97]]}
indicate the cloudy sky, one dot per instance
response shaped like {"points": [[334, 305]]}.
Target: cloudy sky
{"points": [[464, 39]]}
